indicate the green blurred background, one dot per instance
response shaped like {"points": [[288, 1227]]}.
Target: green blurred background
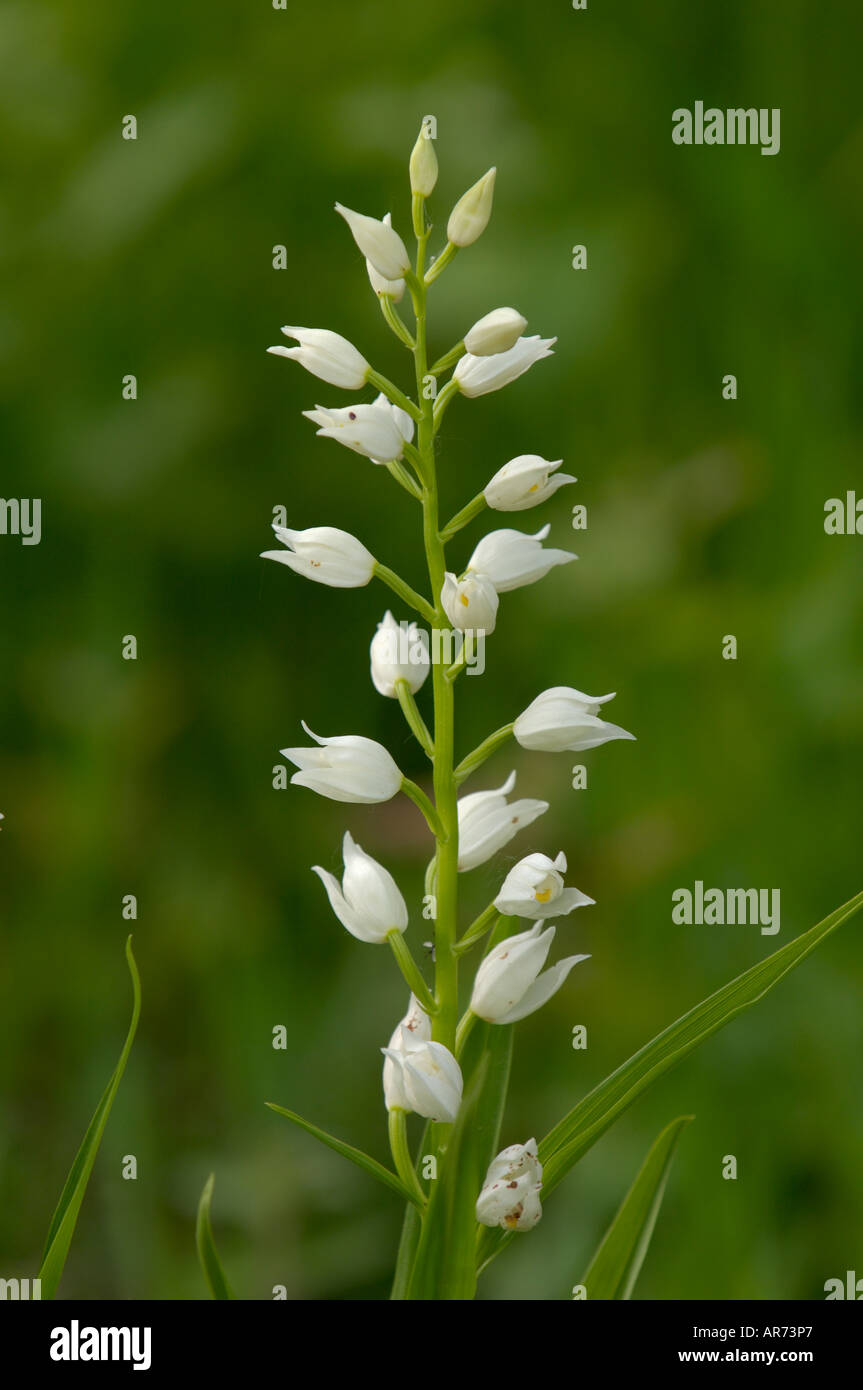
{"points": [[705, 518]]}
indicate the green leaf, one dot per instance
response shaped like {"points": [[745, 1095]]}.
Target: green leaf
{"points": [[445, 1266], [411, 1228], [362, 1160], [617, 1263], [65, 1217], [207, 1252], [581, 1128]]}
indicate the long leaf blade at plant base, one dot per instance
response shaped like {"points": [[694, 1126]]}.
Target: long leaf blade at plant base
{"points": [[445, 1266], [411, 1227], [615, 1267], [207, 1252], [63, 1222], [362, 1160], [580, 1129]]}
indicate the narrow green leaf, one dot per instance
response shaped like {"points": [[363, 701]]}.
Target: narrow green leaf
{"points": [[580, 1129], [410, 1236], [445, 1267], [207, 1252], [62, 1227], [362, 1160], [617, 1263]]}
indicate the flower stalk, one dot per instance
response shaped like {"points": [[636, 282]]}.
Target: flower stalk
{"points": [[438, 1038]]}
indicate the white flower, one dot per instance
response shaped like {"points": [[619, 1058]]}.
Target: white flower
{"points": [[417, 1024], [378, 242], [469, 218], [486, 822], [524, 482], [512, 558], [508, 984], [404, 423], [423, 165], [394, 288], [565, 719], [426, 1078], [510, 1192], [368, 901], [476, 376], [346, 768], [325, 554], [495, 332], [534, 888], [326, 355], [470, 603], [398, 651], [372, 430]]}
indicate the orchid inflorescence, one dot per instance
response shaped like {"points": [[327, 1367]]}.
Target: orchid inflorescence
{"points": [[436, 1064]]}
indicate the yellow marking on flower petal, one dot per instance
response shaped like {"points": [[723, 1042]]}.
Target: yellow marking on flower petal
{"points": [[543, 897], [465, 600], [534, 488]]}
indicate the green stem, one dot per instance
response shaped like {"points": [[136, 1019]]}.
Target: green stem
{"points": [[405, 592], [411, 971], [477, 929], [463, 1031], [416, 723], [440, 264], [401, 1153], [393, 393], [483, 751], [449, 359], [419, 798], [403, 477], [395, 321], [446, 962], [467, 654], [462, 518], [442, 401]]}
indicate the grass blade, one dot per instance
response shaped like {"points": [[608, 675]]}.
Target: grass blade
{"points": [[445, 1267], [65, 1217], [362, 1160], [580, 1129], [615, 1267], [207, 1252]]}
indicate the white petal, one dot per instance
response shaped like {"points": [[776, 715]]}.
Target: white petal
{"points": [[541, 990]]}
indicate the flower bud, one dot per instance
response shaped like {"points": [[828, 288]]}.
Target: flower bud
{"points": [[394, 288], [511, 559], [326, 355], [476, 376], [562, 719], [524, 482], [426, 1078], [510, 1192], [368, 901], [325, 554], [371, 430], [470, 603], [469, 218], [496, 332], [398, 651], [487, 822], [508, 985], [378, 242], [423, 164], [346, 767], [534, 888]]}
